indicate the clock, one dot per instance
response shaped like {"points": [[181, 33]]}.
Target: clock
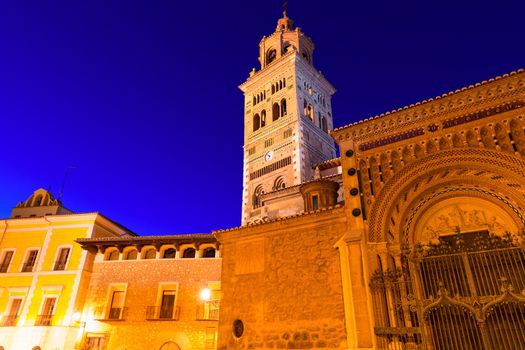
{"points": [[268, 156]]}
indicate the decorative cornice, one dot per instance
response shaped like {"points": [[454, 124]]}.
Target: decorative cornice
{"points": [[418, 107]]}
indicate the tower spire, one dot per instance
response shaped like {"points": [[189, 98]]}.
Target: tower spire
{"points": [[285, 23]]}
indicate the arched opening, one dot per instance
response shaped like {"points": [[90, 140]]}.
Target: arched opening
{"points": [[271, 55], [283, 107], [38, 201], [306, 56], [254, 101], [311, 113], [305, 108], [256, 122], [263, 118], [453, 327], [279, 183], [324, 124], [189, 253], [280, 85], [150, 253], [169, 253], [504, 325], [130, 254], [208, 253], [284, 82], [273, 89], [113, 254], [257, 200], [275, 111], [169, 345]]}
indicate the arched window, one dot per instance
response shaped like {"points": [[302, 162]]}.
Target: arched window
{"points": [[306, 56], [280, 85], [151, 253], [271, 56], [275, 111], [254, 101], [319, 118], [112, 255], [311, 113], [324, 124], [189, 253], [258, 98], [305, 108], [257, 200], [256, 122], [130, 254], [279, 184], [169, 253], [38, 201], [263, 118], [283, 107], [273, 89], [284, 82], [208, 253]]}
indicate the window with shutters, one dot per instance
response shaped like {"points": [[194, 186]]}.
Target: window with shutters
{"points": [[46, 314], [62, 258], [13, 311], [7, 257], [166, 306], [30, 260]]}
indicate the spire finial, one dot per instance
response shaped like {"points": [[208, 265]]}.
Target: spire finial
{"points": [[285, 3]]}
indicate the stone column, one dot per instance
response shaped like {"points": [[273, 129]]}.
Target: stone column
{"points": [[355, 292]]}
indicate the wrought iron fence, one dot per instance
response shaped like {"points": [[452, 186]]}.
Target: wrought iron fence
{"points": [[44, 320], [465, 292], [162, 313]]}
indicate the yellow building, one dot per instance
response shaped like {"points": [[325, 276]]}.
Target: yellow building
{"points": [[44, 274]]}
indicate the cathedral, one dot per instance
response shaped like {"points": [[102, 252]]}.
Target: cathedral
{"points": [[413, 238]]}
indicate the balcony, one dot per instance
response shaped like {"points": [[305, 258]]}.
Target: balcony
{"points": [[59, 266], [159, 313], [44, 320], [208, 311], [28, 267], [8, 321], [111, 314]]}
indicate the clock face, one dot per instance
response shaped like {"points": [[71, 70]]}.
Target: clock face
{"points": [[268, 156]]}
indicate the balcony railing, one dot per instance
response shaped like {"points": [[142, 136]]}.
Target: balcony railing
{"points": [[3, 268], [28, 267], [8, 321], [160, 313], [44, 320], [111, 314], [208, 311], [59, 266]]}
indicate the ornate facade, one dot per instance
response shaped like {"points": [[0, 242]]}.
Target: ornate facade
{"points": [[412, 239], [422, 249], [287, 115]]}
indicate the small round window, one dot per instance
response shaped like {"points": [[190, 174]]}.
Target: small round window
{"points": [[238, 328]]}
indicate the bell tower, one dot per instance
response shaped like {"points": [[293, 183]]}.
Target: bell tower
{"points": [[287, 116]]}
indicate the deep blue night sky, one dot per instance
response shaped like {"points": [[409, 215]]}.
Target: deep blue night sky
{"points": [[141, 97]]}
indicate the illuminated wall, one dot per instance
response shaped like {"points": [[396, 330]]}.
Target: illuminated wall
{"points": [[42, 271]]}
